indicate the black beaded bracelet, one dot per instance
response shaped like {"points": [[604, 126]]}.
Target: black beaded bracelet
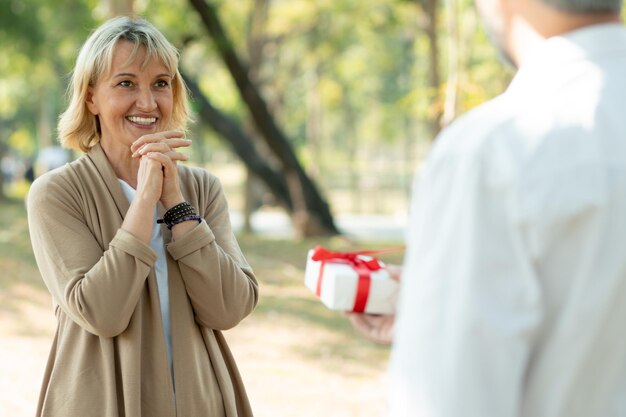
{"points": [[182, 209], [179, 211], [184, 219]]}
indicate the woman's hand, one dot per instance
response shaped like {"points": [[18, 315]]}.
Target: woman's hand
{"points": [[149, 179], [149, 190], [161, 147]]}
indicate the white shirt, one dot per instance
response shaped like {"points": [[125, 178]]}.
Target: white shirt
{"points": [[160, 269], [514, 290]]}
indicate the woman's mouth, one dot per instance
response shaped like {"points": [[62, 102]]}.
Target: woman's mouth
{"points": [[144, 121]]}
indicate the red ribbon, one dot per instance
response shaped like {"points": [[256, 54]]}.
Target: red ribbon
{"points": [[362, 266]]}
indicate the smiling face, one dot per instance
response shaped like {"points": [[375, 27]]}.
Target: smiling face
{"points": [[132, 99]]}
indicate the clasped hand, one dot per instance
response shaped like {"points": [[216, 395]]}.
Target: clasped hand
{"points": [[157, 177]]}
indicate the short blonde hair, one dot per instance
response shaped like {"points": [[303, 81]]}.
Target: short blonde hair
{"points": [[78, 127]]}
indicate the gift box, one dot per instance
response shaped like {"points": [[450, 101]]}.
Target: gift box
{"points": [[351, 281]]}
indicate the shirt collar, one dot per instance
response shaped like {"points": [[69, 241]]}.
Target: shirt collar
{"points": [[542, 69]]}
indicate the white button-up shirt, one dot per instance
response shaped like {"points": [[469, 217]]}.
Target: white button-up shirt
{"points": [[514, 289]]}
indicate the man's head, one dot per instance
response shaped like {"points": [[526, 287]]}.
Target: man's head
{"points": [[512, 24], [585, 6]]}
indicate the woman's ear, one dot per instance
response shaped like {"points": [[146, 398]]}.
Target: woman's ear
{"points": [[91, 104]]}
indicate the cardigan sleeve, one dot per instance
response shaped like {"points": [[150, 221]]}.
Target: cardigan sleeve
{"points": [[98, 288], [219, 282]]}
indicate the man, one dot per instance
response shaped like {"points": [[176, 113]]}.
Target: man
{"points": [[513, 299]]}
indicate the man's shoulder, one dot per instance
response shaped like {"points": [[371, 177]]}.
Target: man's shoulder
{"points": [[474, 133]]}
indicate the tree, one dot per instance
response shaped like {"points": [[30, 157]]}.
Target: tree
{"points": [[38, 45], [431, 28], [21, 34], [120, 7], [356, 89], [255, 43], [242, 144], [311, 214]]}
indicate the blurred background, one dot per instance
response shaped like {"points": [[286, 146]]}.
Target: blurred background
{"points": [[315, 114]]}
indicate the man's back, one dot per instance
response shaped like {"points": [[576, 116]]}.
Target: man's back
{"points": [[514, 288]]}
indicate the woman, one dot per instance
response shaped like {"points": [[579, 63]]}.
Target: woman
{"points": [[139, 303]]}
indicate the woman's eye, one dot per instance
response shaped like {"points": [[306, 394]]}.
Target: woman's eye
{"points": [[161, 84], [126, 83]]}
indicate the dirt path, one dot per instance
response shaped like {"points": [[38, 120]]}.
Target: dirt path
{"points": [[296, 357], [26, 330], [290, 368], [23, 361]]}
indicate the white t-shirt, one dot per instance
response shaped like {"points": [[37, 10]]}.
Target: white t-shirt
{"points": [[513, 296], [160, 269]]}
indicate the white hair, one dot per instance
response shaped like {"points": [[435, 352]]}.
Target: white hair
{"points": [[586, 6]]}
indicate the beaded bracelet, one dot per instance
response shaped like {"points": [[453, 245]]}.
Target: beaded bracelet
{"points": [[182, 209], [183, 219], [178, 214]]}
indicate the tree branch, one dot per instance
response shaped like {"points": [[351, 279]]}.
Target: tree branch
{"points": [[304, 194]]}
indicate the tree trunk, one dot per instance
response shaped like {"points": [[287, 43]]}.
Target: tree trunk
{"points": [[242, 145], [431, 28], [255, 42], [452, 86], [315, 217], [120, 7], [314, 124], [4, 133]]}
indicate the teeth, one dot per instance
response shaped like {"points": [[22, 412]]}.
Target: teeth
{"points": [[142, 120]]}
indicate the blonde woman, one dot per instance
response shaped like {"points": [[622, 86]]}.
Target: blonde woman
{"points": [[136, 250]]}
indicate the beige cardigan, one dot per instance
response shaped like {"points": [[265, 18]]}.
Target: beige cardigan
{"points": [[108, 358]]}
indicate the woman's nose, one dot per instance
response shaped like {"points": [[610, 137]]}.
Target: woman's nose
{"points": [[145, 100]]}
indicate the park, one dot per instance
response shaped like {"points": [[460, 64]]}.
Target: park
{"points": [[348, 98], [257, 130]]}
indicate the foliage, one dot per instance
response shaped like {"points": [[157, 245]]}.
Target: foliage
{"points": [[346, 79], [38, 45]]}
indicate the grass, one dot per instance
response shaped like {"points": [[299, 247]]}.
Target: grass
{"points": [[17, 262], [291, 341], [278, 264], [23, 294]]}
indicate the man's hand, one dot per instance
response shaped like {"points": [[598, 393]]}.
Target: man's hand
{"points": [[376, 327]]}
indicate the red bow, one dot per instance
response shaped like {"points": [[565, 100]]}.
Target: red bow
{"points": [[353, 258], [362, 266]]}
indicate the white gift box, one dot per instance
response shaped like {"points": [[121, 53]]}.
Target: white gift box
{"points": [[338, 285]]}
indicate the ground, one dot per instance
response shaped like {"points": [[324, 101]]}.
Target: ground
{"points": [[296, 357]]}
